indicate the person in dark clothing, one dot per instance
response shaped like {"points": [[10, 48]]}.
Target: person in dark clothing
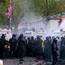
{"points": [[13, 42], [31, 45], [28, 47], [38, 47], [7, 50], [62, 48], [21, 46], [54, 51], [25, 43], [2, 42], [47, 48]]}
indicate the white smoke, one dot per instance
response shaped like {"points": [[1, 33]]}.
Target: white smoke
{"points": [[31, 21], [62, 26]]}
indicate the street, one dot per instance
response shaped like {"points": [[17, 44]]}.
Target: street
{"points": [[27, 61]]}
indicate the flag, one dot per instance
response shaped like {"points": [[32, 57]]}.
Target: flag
{"points": [[9, 11]]}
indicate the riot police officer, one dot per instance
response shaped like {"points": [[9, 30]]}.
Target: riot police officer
{"points": [[54, 49], [21, 46], [13, 42], [2, 42]]}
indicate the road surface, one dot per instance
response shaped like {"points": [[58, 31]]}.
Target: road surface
{"points": [[28, 61]]}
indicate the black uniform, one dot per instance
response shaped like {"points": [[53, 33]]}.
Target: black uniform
{"points": [[31, 46], [13, 42], [38, 47], [2, 42], [62, 48], [28, 46], [47, 48], [21, 47], [54, 51], [7, 50]]}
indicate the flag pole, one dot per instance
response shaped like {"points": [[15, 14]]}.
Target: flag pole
{"points": [[10, 23], [10, 19], [9, 13]]}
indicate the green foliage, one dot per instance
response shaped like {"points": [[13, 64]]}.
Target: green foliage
{"points": [[16, 12], [48, 7], [40, 7], [17, 9], [3, 6]]}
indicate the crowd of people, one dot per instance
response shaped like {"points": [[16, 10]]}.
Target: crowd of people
{"points": [[19, 47], [54, 48]]}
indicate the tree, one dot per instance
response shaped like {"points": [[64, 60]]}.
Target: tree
{"points": [[3, 7], [48, 7]]}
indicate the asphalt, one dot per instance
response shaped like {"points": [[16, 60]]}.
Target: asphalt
{"points": [[28, 61]]}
